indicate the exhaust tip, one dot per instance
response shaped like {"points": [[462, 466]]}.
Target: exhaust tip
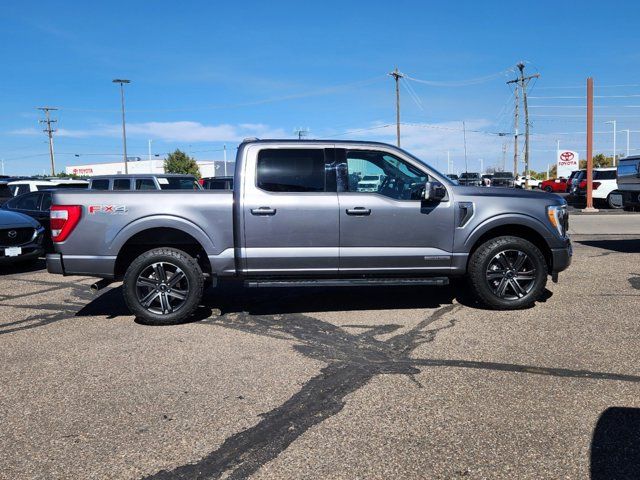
{"points": [[99, 285]]}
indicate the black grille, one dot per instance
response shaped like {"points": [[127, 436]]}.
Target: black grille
{"points": [[8, 238]]}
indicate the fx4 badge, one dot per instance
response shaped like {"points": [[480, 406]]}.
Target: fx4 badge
{"points": [[107, 209]]}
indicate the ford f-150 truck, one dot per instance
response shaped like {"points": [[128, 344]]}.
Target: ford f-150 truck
{"points": [[294, 220]]}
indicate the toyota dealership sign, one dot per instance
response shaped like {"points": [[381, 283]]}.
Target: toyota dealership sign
{"points": [[567, 163]]}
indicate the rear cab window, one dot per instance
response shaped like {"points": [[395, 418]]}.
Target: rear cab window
{"points": [[291, 170]]}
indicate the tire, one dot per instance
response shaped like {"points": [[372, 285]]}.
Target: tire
{"points": [[612, 204], [163, 286], [548, 189], [521, 285]]}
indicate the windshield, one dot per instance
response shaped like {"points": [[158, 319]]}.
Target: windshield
{"points": [[370, 177], [178, 183], [470, 175], [446, 179], [503, 175]]}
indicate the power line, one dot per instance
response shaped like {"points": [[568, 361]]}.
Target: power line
{"points": [[462, 83]]}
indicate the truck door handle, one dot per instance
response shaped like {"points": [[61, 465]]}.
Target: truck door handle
{"points": [[359, 211], [263, 211]]}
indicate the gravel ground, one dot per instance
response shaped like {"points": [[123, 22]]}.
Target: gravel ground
{"points": [[326, 383]]}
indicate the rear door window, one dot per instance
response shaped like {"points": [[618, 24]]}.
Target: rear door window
{"points": [[45, 205], [604, 175], [29, 202], [100, 184], [291, 170]]}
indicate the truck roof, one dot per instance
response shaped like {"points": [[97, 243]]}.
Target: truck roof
{"points": [[121, 175], [316, 141]]}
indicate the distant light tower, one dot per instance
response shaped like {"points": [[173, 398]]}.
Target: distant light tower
{"points": [[122, 81], [614, 140], [628, 132], [481, 165]]}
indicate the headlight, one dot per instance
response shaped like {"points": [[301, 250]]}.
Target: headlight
{"points": [[557, 215]]}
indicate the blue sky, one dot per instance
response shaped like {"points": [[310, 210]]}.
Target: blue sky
{"points": [[206, 74]]}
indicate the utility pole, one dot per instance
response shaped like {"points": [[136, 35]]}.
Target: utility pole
{"points": [[523, 82], [516, 94], [124, 130], [49, 131], [149, 154], [397, 76], [504, 155], [301, 132]]}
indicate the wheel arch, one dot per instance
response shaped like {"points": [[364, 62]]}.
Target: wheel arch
{"points": [[160, 236], [520, 226]]}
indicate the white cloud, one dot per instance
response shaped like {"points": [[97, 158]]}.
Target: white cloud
{"points": [[182, 131], [431, 142]]}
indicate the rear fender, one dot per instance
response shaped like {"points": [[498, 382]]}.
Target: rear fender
{"points": [[162, 221]]}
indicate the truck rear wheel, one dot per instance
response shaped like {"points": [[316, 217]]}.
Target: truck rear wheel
{"points": [[163, 286], [508, 273]]}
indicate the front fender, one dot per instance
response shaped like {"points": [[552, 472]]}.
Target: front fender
{"points": [[466, 243]]}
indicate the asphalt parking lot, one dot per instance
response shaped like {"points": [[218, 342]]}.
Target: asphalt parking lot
{"points": [[332, 383]]}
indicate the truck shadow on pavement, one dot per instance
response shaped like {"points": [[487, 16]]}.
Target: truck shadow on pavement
{"points": [[232, 297], [625, 245], [352, 354], [615, 446]]}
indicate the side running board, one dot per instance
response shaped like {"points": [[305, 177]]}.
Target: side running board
{"points": [[346, 282]]}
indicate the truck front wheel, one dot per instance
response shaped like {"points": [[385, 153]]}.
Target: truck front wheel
{"points": [[508, 273], [163, 286]]}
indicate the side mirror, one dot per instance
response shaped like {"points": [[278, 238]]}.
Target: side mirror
{"points": [[434, 192]]}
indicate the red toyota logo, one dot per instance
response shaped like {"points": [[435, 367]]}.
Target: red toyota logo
{"points": [[566, 156]]}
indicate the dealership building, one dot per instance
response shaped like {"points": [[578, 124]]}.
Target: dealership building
{"points": [[208, 168]]}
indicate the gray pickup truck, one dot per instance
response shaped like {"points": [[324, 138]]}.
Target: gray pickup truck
{"points": [[296, 218]]}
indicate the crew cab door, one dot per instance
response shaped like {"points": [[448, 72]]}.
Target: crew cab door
{"points": [[289, 210], [391, 230]]}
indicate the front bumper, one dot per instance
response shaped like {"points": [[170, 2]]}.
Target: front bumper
{"points": [[29, 252], [561, 257]]}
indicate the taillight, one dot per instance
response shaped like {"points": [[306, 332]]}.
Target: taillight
{"points": [[583, 184], [64, 219]]}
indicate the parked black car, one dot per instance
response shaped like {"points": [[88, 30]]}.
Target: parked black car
{"points": [[453, 177], [217, 183], [5, 192], [20, 238], [470, 179], [35, 205], [503, 179]]}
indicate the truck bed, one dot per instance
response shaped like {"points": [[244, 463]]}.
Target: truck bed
{"points": [[110, 218]]}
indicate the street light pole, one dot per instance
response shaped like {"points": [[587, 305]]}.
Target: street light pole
{"points": [[481, 165], [614, 140], [124, 129], [628, 132]]}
